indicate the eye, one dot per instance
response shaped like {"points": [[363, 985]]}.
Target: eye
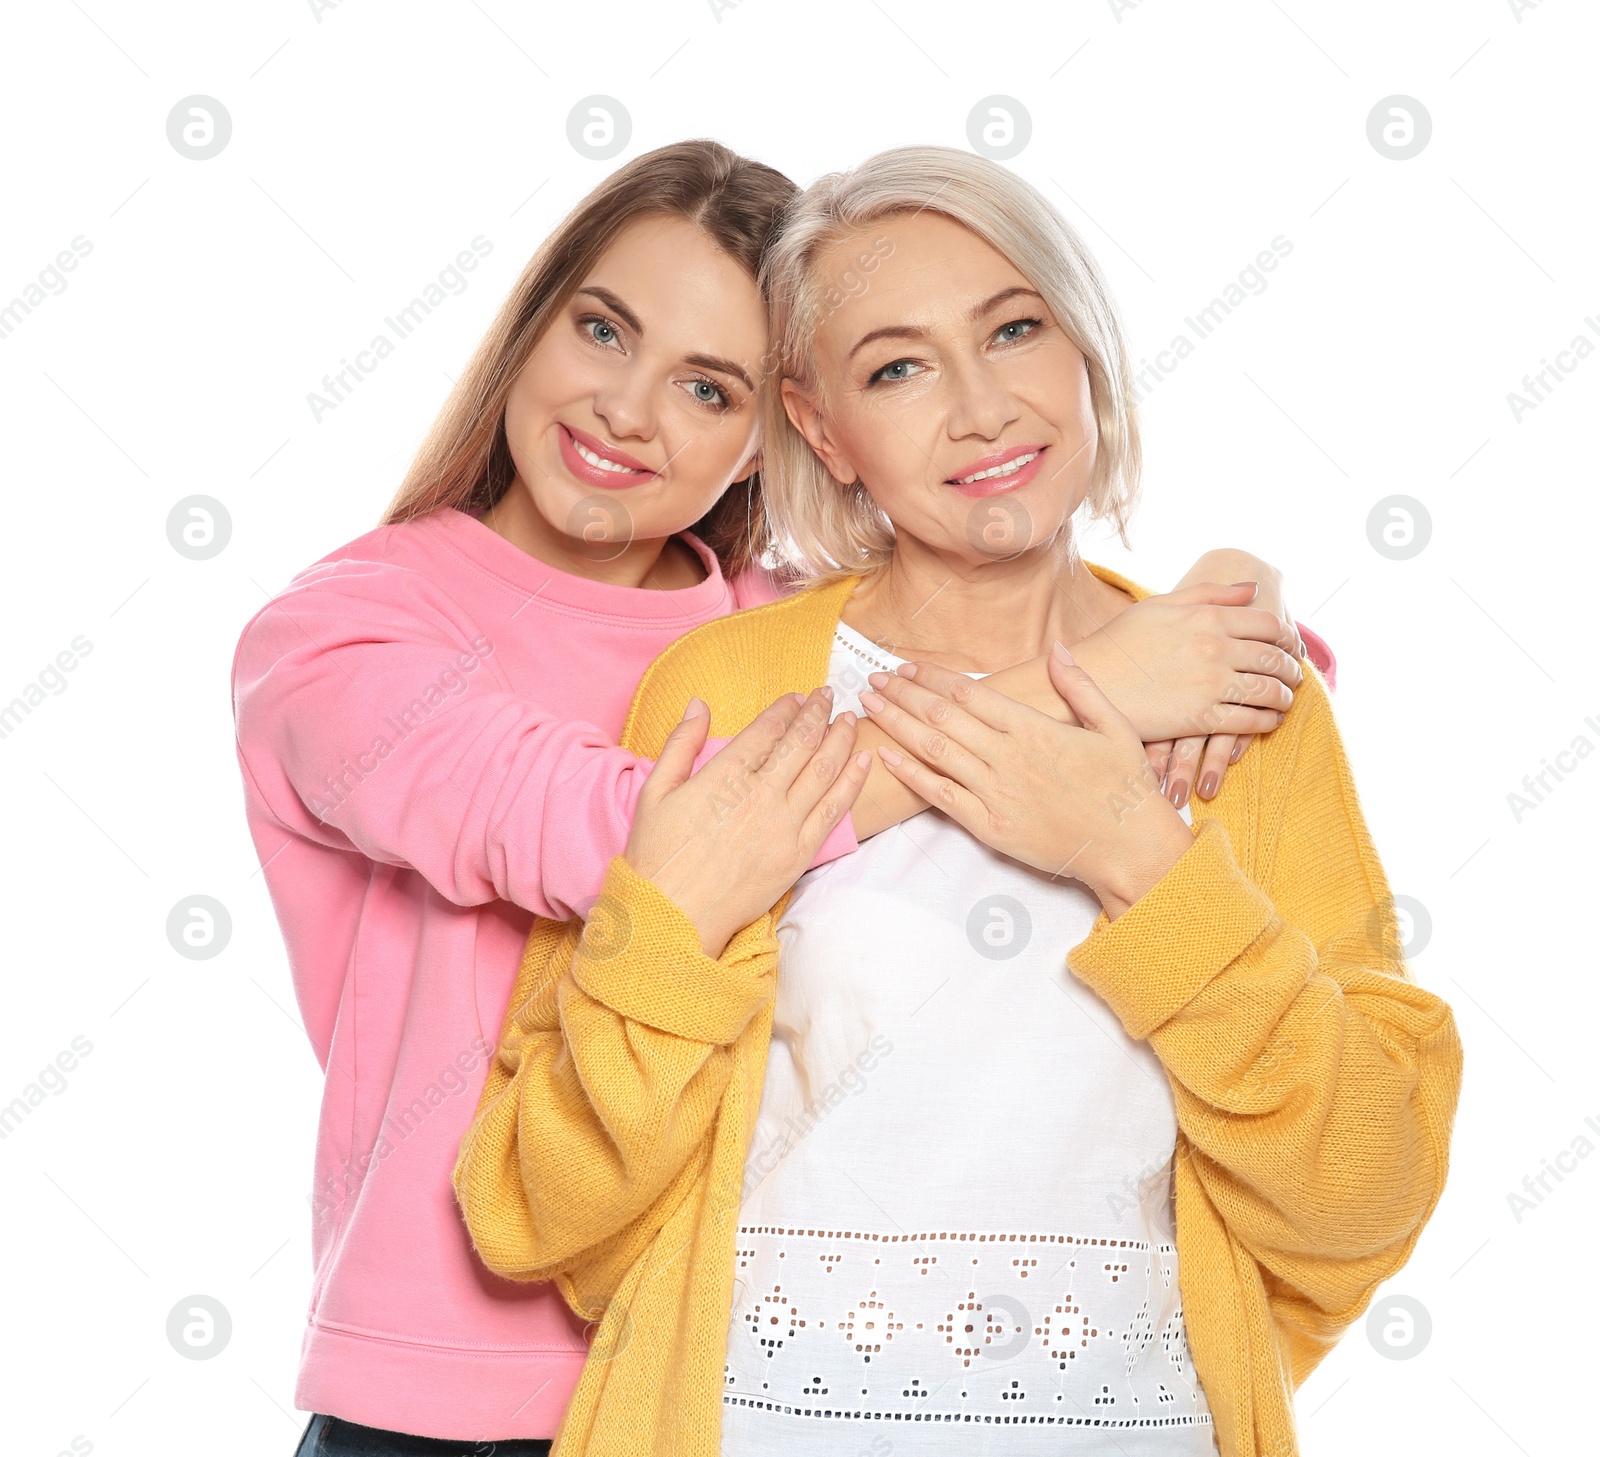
{"points": [[897, 369], [706, 392], [601, 331], [1016, 329]]}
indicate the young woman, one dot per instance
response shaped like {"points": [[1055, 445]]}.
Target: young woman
{"points": [[920, 1154], [427, 721]]}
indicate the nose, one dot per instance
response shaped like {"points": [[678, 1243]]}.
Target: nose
{"points": [[626, 403], [980, 403]]}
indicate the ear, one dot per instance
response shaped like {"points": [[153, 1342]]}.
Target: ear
{"points": [[806, 417]]}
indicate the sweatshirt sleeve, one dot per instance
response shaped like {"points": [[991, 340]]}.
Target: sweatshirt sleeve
{"points": [[1315, 1081], [601, 1102], [377, 721]]}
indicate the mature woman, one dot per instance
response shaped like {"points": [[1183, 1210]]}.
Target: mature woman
{"points": [[1034, 1064]]}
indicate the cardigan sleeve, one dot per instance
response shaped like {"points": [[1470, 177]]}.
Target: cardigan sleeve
{"points": [[1315, 1081], [601, 1103]]}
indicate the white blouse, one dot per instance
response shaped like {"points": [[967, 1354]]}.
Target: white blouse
{"points": [[956, 1231]]}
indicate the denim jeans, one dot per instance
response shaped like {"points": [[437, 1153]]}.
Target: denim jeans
{"points": [[334, 1437]]}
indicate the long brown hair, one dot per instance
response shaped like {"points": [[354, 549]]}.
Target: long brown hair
{"points": [[466, 462]]}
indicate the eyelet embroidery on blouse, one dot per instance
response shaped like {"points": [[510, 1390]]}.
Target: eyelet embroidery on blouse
{"points": [[851, 645], [923, 1349]]}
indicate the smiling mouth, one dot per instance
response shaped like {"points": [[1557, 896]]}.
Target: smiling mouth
{"points": [[600, 462], [1010, 468], [590, 461]]}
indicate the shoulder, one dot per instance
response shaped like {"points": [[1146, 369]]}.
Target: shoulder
{"points": [[382, 564], [1292, 799], [756, 586], [1298, 829], [391, 583], [1309, 730], [1305, 747], [738, 665]]}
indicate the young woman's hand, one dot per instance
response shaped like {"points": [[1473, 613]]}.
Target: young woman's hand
{"points": [[1075, 801], [1200, 761], [726, 842], [1195, 662]]}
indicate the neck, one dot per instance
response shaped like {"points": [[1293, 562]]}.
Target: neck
{"points": [[663, 563], [981, 618]]}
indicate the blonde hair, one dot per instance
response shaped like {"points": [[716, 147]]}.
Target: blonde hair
{"points": [[465, 462], [826, 531]]}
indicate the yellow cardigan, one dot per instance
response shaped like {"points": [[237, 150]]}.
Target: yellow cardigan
{"points": [[1315, 1082]]}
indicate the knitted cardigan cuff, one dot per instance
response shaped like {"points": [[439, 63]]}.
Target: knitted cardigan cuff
{"points": [[642, 957], [1185, 930]]}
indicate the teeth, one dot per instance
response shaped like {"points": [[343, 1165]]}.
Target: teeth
{"points": [[1011, 467], [600, 460]]}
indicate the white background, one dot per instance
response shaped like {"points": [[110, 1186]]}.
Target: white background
{"points": [[370, 144]]}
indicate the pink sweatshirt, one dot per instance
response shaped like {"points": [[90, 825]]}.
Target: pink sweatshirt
{"points": [[427, 724]]}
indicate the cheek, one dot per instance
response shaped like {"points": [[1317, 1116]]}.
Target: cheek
{"points": [[559, 374], [527, 408], [1079, 427], [708, 453], [890, 455], [897, 476], [1085, 403], [1070, 384]]}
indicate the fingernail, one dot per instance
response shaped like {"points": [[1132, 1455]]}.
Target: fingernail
{"points": [[692, 709], [907, 670], [872, 703], [889, 755], [1238, 749], [1208, 784], [1058, 651], [864, 760], [1178, 794], [826, 691], [877, 679], [1247, 584]]}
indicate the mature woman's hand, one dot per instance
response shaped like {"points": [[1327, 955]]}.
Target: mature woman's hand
{"points": [[724, 843], [1077, 801]]}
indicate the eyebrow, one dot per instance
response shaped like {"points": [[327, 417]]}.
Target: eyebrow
{"points": [[979, 310], [631, 319], [720, 366], [616, 305], [976, 312]]}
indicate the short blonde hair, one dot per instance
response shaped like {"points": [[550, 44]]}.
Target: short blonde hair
{"points": [[827, 531]]}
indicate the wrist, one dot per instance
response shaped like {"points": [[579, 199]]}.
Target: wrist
{"points": [[679, 883], [1145, 860], [1029, 684]]}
